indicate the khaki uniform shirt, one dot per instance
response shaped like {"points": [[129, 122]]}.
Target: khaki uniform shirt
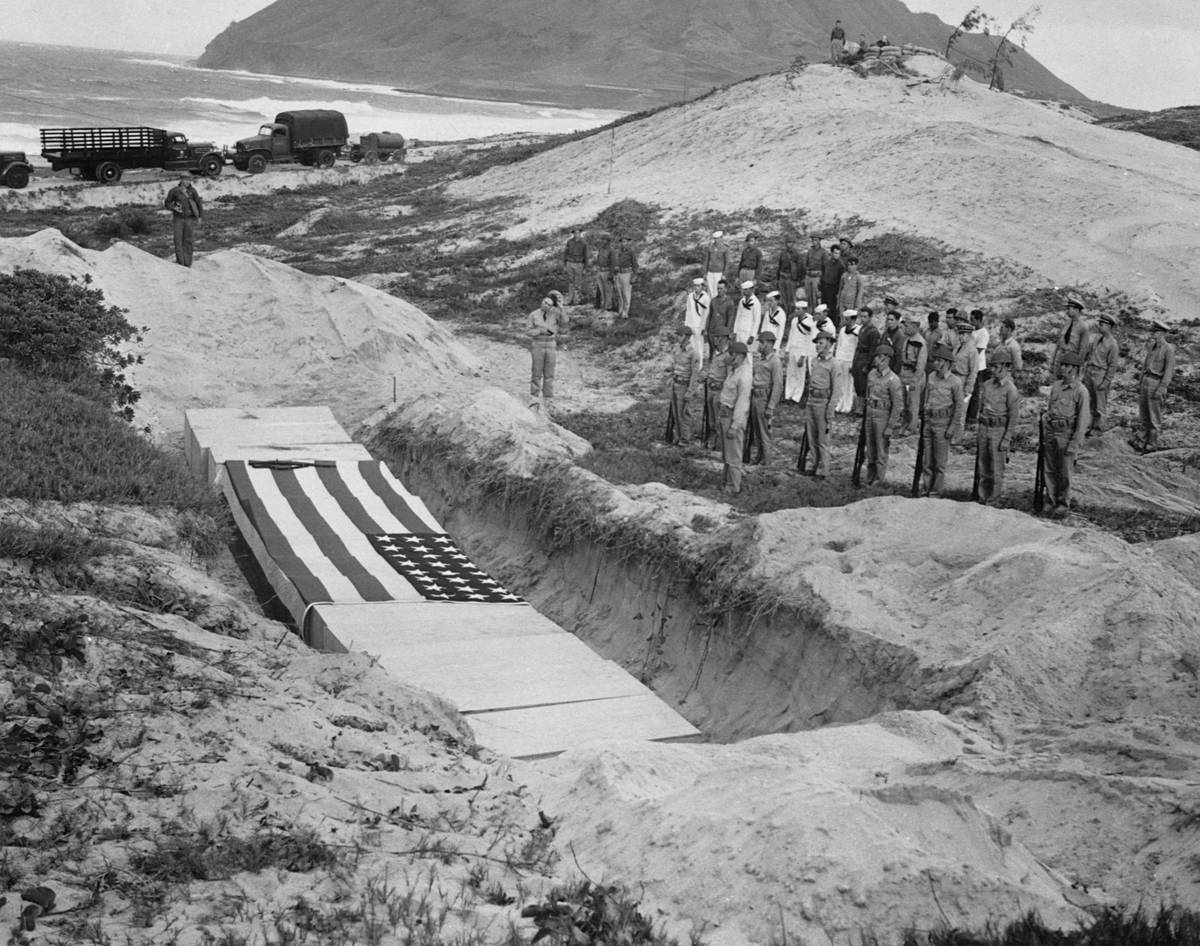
{"points": [[885, 392], [768, 379], [1000, 399], [1067, 410], [944, 397]]}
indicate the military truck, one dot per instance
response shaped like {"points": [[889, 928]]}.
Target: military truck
{"points": [[104, 154], [15, 169], [379, 146], [311, 136]]}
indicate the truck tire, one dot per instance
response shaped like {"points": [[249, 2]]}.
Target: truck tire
{"points": [[211, 165], [17, 177], [257, 164], [108, 172], [371, 157], [326, 159]]}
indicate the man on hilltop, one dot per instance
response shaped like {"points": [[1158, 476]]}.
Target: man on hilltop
{"points": [[625, 264], [186, 211], [837, 43], [575, 260]]}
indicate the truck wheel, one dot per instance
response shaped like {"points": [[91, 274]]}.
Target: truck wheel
{"points": [[16, 178], [326, 159], [371, 157], [257, 164], [108, 172], [211, 165]]}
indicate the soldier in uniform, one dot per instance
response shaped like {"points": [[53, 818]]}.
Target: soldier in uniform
{"points": [[732, 412], [912, 371], [1067, 419], [714, 379], [1098, 370], [788, 271], [546, 325], [773, 318], [695, 314], [720, 315], [575, 260], [999, 411], [801, 349], [765, 392], [716, 261], [944, 408], [1157, 371], [750, 262], [966, 358], [685, 374], [884, 405], [606, 292], [747, 314], [187, 210], [1075, 337], [823, 380]]}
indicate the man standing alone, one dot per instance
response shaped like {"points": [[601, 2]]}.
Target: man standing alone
{"points": [[546, 324], [186, 211], [575, 259], [837, 43]]}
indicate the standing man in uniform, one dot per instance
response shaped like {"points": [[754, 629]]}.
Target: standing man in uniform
{"points": [[884, 405], [851, 290], [626, 265], [801, 349], [979, 337], [546, 324], [893, 333], [605, 258], [814, 266], [912, 372], [1008, 341], [716, 261], [818, 412], [773, 319], [684, 371], [575, 260], [1157, 371], [1075, 337], [750, 262], [720, 315], [695, 314], [966, 359], [187, 210], [864, 352], [714, 380], [1067, 420], [747, 314], [999, 412], [788, 271], [732, 413], [1101, 364], [837, 43], [831, 280], [944, 408], [765, 391]]}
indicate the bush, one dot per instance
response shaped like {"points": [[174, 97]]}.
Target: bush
{"points": [[629, 218], [123, 224], [60, 327], [901, 252]]}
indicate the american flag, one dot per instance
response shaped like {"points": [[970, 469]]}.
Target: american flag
{"points": [[433, 564]]}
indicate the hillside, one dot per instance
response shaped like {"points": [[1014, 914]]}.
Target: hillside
{"points": [[1178, 125], [574, 53]]}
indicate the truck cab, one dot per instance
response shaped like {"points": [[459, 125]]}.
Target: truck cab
{"points": [[15, 169], [309, 136]]}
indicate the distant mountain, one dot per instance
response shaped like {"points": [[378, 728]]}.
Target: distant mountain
{"points": [[1180, 125], [627, 54]]}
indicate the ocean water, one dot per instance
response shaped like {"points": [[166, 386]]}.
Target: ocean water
{"points": [[55, 86]]}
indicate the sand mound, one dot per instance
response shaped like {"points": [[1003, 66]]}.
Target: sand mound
{"points": [[1096, 206], [822, 832], [239, 331]]}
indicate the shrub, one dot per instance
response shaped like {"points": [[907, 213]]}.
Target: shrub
{"points": [[629, 218], [123, 224], [902, 252], [61, 327]]}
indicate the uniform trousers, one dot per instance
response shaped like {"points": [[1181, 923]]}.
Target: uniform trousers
{"points": [[624, 281], [760, 428], [574, 282], [990, 458], [1057, 466], [544, 350], [912, 398], [732, 437], [879, 443], [681, 411], [605, 289], [1098, 395], [1150, 410], [816, 429], [935, 452], [185, 234]]}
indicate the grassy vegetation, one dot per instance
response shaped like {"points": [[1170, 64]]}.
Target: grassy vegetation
{"points": [[1169, 927]]}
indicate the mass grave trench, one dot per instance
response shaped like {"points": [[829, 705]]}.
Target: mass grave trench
{"points": [[733, 670]]}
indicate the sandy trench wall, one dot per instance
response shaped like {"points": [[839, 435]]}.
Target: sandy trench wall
{"points": [[734, 673]]}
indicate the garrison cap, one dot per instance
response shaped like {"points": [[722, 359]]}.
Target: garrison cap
{"points": [[682, 330], [748, 284], [1158, 325], [885, 350], [738, 348], [767, 336], [891, 300], [944, 352], [721, 331], [1106, 317], [1000, 357], [1071, 358], [1074, 302]]}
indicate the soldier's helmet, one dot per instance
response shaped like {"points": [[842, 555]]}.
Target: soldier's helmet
{"points": [[1001, 357], [1070, 358], [883, 350], [944, 352]]}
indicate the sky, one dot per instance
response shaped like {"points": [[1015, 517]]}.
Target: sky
{"points": [[1135, 53]]}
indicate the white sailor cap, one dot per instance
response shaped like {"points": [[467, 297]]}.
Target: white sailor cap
{"points": [[748, 284]]}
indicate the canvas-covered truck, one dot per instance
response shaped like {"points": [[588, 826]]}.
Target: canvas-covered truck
{"points": [[104, 154], [379, 146], [310, 136], [14, 169]]}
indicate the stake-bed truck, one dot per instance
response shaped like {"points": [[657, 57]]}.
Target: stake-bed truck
{"points": [[312, 136], [104, 154], [14, 168]]}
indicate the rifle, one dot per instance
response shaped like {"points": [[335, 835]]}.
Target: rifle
{"points": [[916, 483], [671, 418], [1039, 476], [860, 455], [802, 460], [975, 482], [750, 441], [706, 425]]}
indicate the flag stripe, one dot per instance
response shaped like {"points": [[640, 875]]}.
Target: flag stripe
{"points": [[332, 545], [306, 582], [337, 586], [414, 501], [335, 484], [395, 499], [372, 504], [357, 558]]}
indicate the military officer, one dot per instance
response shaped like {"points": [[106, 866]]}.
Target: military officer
{"points": [[732, 411], [884, 405], [823, 380], [1099, 368], [715, 373], [765, 392], [999, 411], [1067, 419], [944, 408], [684, 371], [1157, 371]]}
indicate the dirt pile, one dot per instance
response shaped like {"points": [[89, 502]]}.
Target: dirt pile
{"points": [[979, 170], [237, 330]]}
